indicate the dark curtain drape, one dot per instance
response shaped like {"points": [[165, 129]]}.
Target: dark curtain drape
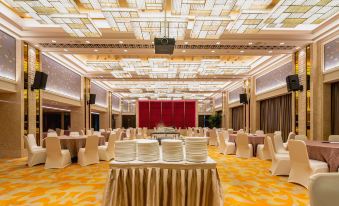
{"points": [[335, 108], [276, 115], [238, 118]]}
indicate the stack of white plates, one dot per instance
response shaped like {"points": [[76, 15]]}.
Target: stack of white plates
{"points": [[125, 150], [196, 149], [172, 150], [148, 150]]}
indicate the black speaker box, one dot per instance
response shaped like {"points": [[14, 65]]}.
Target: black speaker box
{"points": [[293, 84], [40, 80], [243, 98], [92, 98], [164, 45]]}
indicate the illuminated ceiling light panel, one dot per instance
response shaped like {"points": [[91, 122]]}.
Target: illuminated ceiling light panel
{"points": [[290, 14], [162, 74], [151, 27], [98, 4], [209, 27], [146, 4], [104, 65], [120, 19], [41, 10], [205, 7], [249, 22], [158, 62], [132, 63], [187, 74], [121, 74], [187, 66], [77, 25]]}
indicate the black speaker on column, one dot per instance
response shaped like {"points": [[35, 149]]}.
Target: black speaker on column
{"points": [[243, 98], [293, 84], [92, 98], [40, 80]]}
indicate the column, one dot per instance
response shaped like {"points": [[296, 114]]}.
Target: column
{"points": [[225, 111]]}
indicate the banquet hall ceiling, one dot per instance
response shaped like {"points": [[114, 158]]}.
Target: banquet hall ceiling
{"points": [[218, 42]]}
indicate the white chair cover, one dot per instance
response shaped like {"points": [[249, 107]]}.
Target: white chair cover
{"points": [[333, 138], [301, 166], [300, 137], [106, 152], [56, 158], [280, 162], [278, 144], [36, 154], [244, 149], [263, 151], [324, 189], [89, 154], [52, 134]]}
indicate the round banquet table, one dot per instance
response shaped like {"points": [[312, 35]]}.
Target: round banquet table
{"points": [[252, 139], [73, 144], [326, 152]]}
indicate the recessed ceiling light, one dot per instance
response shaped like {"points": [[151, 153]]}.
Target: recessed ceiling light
{"points": [[125, 50], [36, 45], [212, 51], [53, 41], [297, 47], [186, 42], [282, 43], [152, 42], [65, 50], [95, 50], [270, 51], [184, 51], [218, 43], [88, 42], [250, 43], [121, 42], [242, 51]]}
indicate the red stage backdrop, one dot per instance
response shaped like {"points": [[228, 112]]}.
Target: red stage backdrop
{"points": [[176, 113]]}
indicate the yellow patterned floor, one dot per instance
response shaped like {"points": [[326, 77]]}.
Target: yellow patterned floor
{"points": [[245, 182]]}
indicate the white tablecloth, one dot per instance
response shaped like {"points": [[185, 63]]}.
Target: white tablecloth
{"points": [[162, 183]]}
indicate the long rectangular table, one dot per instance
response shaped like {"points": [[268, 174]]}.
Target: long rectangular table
{"points": [[156, 183]]}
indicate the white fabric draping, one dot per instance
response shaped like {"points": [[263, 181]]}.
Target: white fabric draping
{"points": [[163, 183]]}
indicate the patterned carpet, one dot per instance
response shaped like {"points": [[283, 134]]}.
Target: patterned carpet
{"points": [[245, 182]]}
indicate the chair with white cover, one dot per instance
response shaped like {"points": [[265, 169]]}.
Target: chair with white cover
{"points": [[82, 132], [89, 154], [277, 132], [89, 132], [62, 132], [36, 154], [189, 132], [240, 131], [106, 152], [213, 137], [324, 189], [333, 138], [301, 137], [52, 134], [128, 133], [205, 132], [263, 151], [230, 131], [102, 130], [56, 157], [244, 149], [229, 146], [145, 132], [74, 134], [291, 135], [259, 132], [133, 133], [301, 166], [280, 162], [96, 133], [140, 133], [278, 144], [201, 132]]}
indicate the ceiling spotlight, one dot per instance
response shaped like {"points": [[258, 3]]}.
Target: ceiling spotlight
{"points": [[152, 42], [125, 50], [87, 42], [53, 41], [282, 43], [65, 50], [217, 43], [36, 45], [95, 50], [270, 51], [242, 51], [250, 43], [183, 51], [186, 42], [121, 42], [297, 48], [212, 51]]}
